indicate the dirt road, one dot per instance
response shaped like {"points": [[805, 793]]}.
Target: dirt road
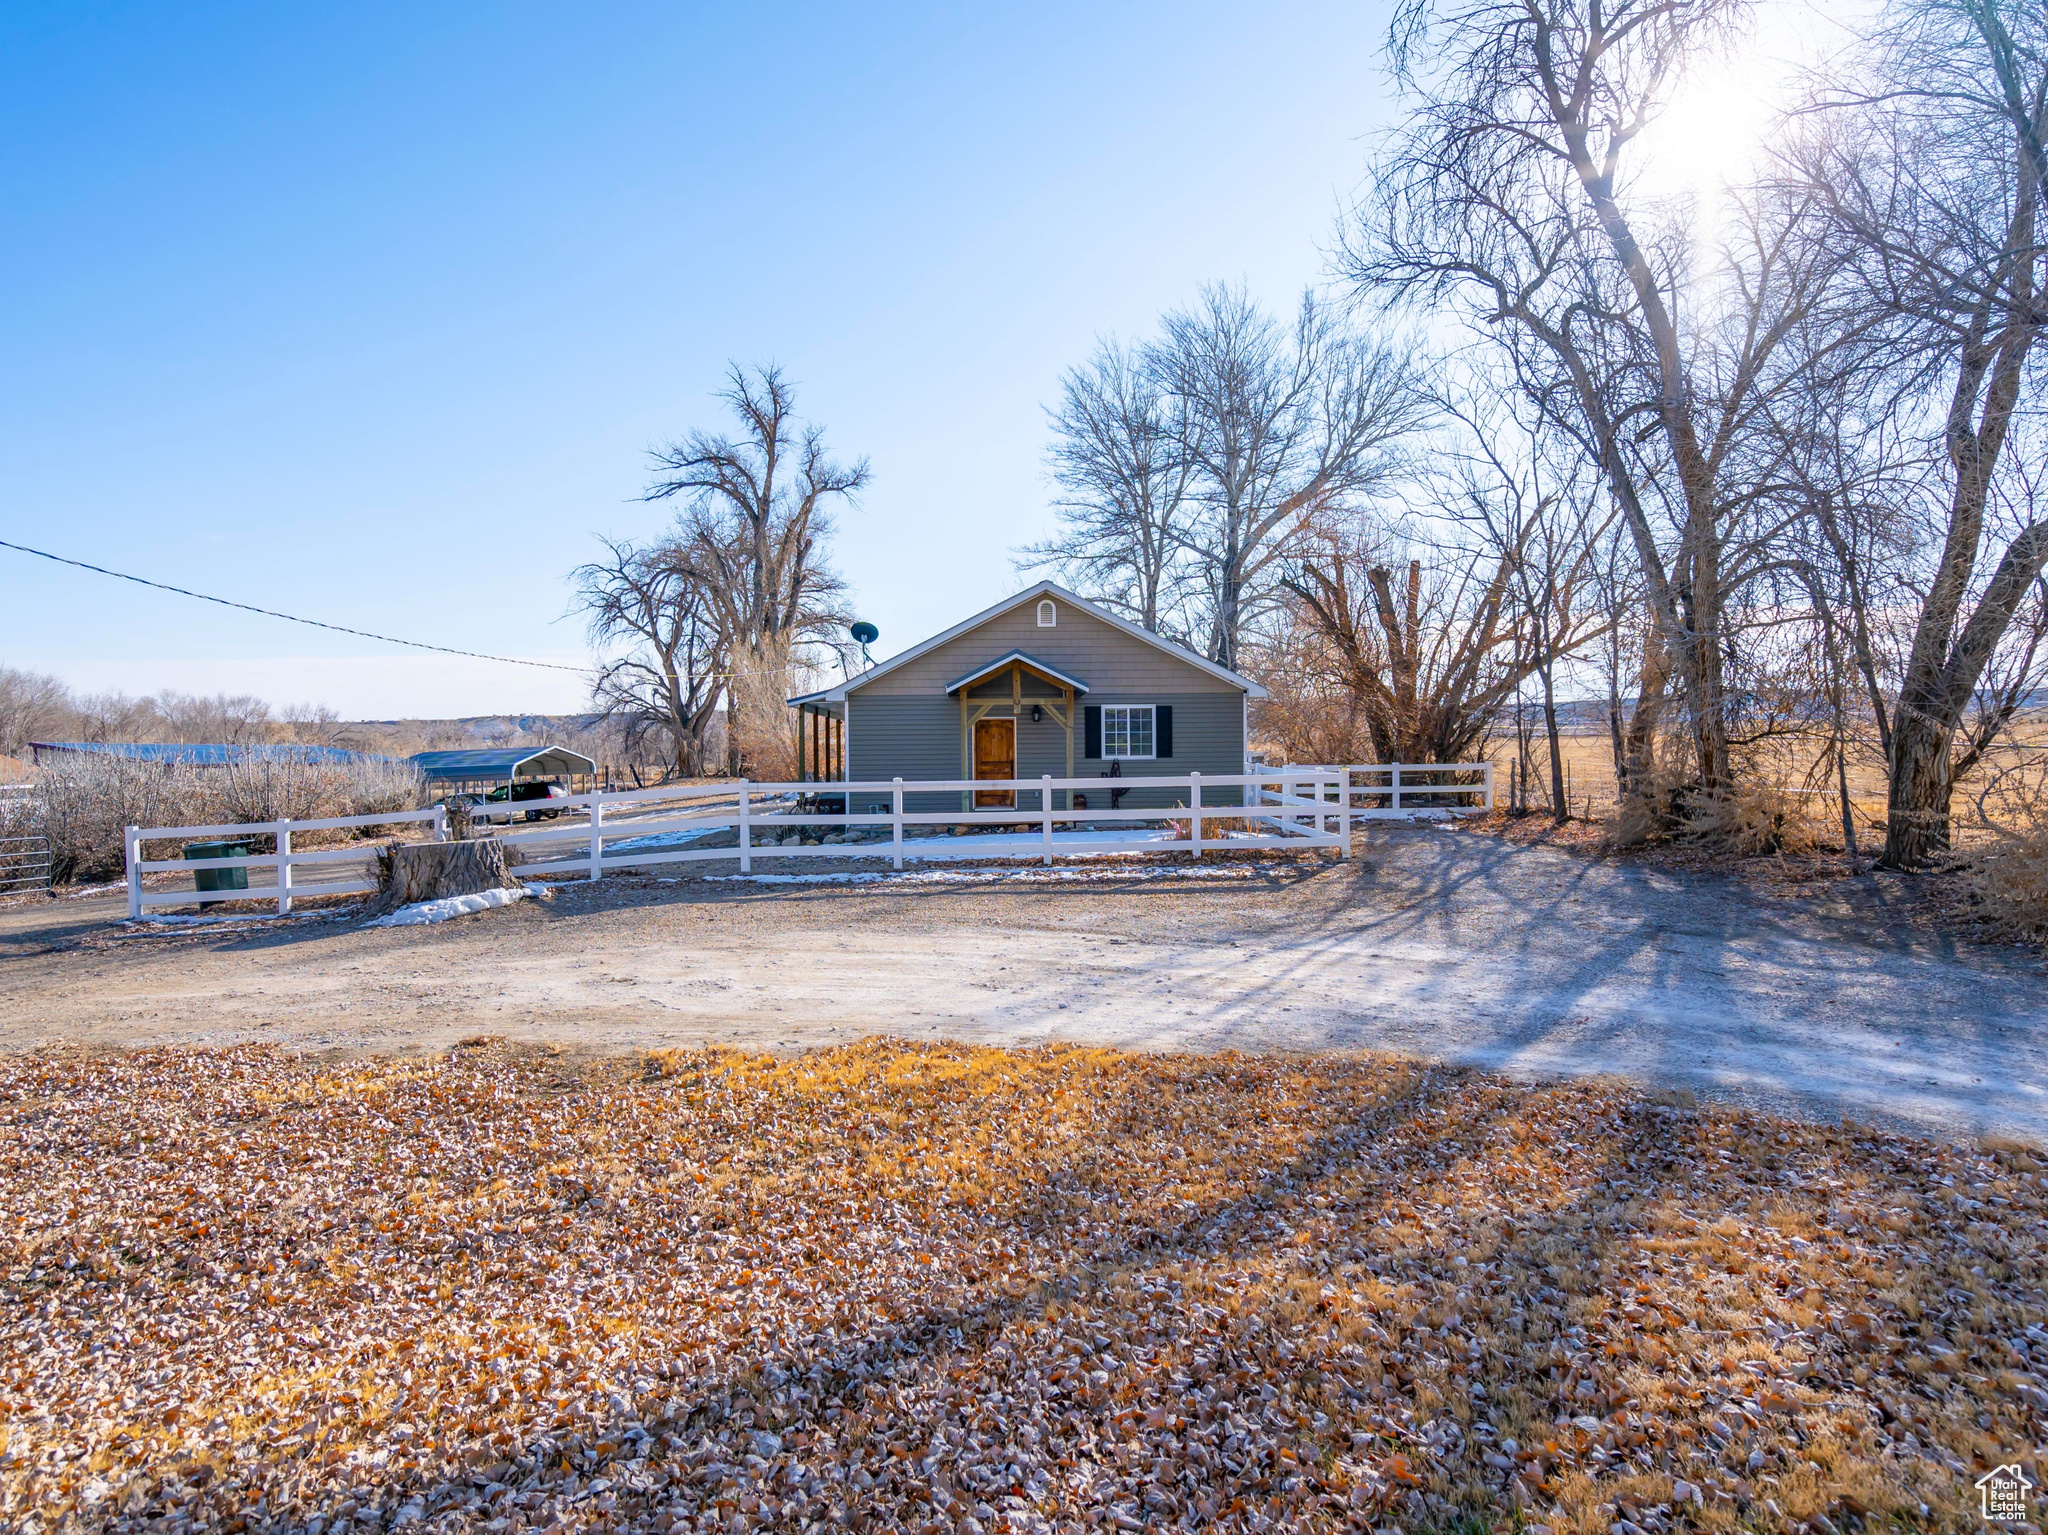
{"points": [[1446, 943]]}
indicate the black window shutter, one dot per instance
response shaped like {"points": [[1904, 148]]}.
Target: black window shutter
{"points": [[1091, 731], [1162, 729]]}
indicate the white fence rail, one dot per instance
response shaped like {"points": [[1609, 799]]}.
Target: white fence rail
{"points": [[1293, 808], [1297, 807], [1409, 787], [284, 860]]}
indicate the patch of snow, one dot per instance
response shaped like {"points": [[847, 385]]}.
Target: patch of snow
{"points": [[658, 840], [986, 844], [988, 876], [1072, 844], [423, 913]]}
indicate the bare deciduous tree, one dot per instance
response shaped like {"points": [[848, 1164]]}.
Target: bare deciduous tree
{"points": [[758, 511], [1279, 427], [34, 706], [1429, 656], [1512, 191], [1934, 169], [1123, 472], [668, 681], [751, 539]]}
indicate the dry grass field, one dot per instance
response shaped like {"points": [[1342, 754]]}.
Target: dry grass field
{"points": [[931, 1288], [2019, 761]]}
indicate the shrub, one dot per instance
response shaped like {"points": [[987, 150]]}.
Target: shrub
{"points": [[2010, 876], [1751, 818], [84, 805]]}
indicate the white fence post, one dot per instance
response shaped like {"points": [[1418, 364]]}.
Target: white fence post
{"points": [[284, 866], [1488, 773], [1344, 812], [440, 823], [1397, 788], [1195, 812], [896, 823], [746, 828], [1045, 809], [131, 843], [596, 838]]}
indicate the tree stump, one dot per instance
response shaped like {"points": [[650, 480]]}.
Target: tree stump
{"points": [[429, 871]]}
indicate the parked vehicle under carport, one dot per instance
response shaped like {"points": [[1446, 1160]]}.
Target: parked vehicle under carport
{"points": [[510, 802]]}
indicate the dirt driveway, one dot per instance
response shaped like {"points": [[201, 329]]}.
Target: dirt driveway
{"points": [[1450, 944]]}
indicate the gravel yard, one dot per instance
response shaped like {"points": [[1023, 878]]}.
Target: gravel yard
{"points": [[922, 1287], [1455, 945]]}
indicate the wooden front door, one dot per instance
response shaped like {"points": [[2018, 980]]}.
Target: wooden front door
{"points": [[995, 756]]}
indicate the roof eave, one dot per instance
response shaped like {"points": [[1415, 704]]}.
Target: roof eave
{"points": [[1013, 658], [1031, 593]]}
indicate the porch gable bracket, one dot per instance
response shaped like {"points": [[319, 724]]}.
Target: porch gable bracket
{"points": [[1018, 658]]}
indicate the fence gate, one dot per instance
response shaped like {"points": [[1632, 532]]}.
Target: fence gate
{"points": [[24, 864]]}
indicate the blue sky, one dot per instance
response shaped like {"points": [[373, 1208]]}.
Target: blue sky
{"points": [[371, 314]]}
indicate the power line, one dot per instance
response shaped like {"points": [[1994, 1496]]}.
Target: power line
{"points": [[474, 655]]}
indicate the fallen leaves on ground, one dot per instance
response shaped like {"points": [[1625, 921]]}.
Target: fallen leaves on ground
{"points": [[891, 1287]]}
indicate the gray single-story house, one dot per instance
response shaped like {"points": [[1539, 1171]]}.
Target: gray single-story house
{"points": [[1043, 683]]}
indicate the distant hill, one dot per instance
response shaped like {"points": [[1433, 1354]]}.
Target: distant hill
{"points": [[491, 729], [402, 737]]}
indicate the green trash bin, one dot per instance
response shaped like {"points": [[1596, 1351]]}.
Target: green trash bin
{"points": [[236, 878]]}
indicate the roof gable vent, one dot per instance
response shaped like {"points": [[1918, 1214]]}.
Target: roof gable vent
{"points": [[1048, 615]]}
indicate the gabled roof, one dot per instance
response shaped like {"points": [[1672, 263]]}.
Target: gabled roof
{"points": [[1032, 594], [1033, 662]]}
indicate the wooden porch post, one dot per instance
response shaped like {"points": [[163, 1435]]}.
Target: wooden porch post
{"points": [[1017, 728], [1070, 742]]}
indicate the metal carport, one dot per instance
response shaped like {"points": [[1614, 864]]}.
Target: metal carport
{"points": [[462, 772]]}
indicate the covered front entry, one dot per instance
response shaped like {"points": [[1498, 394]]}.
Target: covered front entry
{"points": [[995, 756], [996, 701]]}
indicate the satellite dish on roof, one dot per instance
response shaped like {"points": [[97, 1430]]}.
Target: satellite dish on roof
{"points": [[865, 632]]}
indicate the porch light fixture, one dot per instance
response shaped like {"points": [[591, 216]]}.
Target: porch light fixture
{"points": [[1038, 714]]}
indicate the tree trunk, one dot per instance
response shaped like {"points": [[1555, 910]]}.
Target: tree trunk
{"points": [[431, 871], [1560, 809], [1614, 738], [1842, 783], [1641, 746], [1917, 807]]}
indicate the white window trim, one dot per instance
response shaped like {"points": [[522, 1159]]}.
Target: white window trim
{"points": [[1048, 614], [1150, 711]]}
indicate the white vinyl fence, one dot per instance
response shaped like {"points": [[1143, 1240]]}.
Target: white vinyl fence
{"points": [[284, 860], [1296, 808], [1398, 790]]}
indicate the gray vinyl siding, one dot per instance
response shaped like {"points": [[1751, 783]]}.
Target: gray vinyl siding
{"points": [[1208, 737], [919, 738], [909, 738], [905, 725], [1080, 645]]}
